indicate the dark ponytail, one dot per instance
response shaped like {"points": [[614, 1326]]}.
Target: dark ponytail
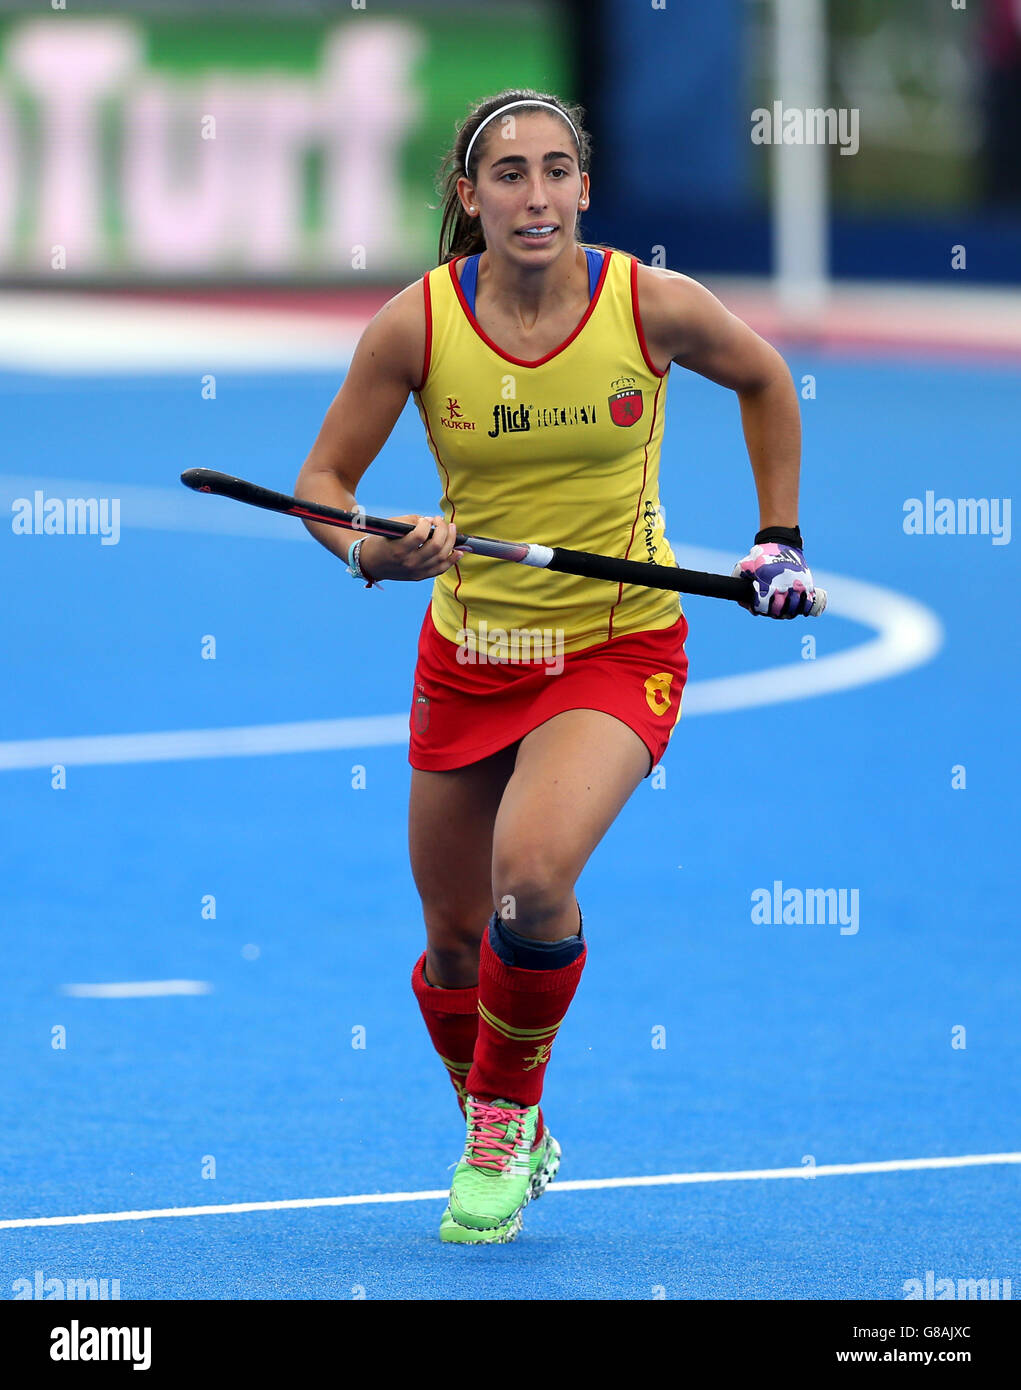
{"points": [[461, 235]]}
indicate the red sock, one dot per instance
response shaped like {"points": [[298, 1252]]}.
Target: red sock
{"points": [[519, 1014], [452, 1018]]}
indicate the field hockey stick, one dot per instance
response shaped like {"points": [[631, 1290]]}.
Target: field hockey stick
{"points": [[579, 562]]}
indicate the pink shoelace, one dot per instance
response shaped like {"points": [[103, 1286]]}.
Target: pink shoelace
{"points": [[487, 1147]]}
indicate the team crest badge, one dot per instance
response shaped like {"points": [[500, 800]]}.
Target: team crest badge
{"points": [[626, 402], [657, 691]]}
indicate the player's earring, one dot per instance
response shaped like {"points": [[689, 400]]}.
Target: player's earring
{"points": [[471, 209]]}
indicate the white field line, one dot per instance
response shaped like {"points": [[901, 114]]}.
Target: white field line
{"points": [[309, 736], [907, 635], [167, 508], [137, 989], [821, 1170]]}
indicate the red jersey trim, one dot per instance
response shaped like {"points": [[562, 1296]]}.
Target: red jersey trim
{"points": [[427, 355], [638, 323], [539, 361]]}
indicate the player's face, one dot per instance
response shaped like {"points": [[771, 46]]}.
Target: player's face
{"points": [[529, 186]]}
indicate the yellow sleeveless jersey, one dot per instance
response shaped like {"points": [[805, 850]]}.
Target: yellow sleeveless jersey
{"points": [[563, 451]]}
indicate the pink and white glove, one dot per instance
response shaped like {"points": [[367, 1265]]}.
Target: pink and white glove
{"points": [[782, 585]]}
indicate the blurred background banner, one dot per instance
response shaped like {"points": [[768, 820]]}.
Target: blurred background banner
{"points": [[282, 142], [301, 141]]}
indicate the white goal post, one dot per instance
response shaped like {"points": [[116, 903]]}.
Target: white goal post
{"points": [[800, 196]]}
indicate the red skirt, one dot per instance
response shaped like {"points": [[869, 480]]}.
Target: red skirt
{"points": [[463, 709]]}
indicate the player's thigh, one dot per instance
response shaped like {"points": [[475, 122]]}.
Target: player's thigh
{"points": [[572, 776], [450, 836]]}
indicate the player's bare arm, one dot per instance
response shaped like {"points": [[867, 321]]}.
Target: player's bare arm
{"points": [[385, 369], [686, 324]]}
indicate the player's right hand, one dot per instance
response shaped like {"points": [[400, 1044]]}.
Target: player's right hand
{"points": [[412, 556]]}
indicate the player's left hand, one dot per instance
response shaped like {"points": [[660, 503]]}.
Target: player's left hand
{"points": [[782, 585]]}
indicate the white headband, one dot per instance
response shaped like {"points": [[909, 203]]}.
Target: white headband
{"points": [[525, 101]]}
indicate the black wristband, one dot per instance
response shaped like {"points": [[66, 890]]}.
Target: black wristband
{"points": [[782, 535]]}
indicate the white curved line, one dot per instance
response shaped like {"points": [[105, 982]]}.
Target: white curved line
{"points": [[908, 634], [164, 508], [176, 745], [137, 989]]}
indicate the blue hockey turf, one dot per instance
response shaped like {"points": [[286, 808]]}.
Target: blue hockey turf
{"points": [[701, 1042]]}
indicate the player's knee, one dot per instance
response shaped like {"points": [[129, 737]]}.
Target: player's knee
{"points": [[454, 934], [530, 890], [453, 969]]}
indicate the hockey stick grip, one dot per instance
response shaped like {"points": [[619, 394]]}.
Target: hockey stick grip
{"points": [[651, 576]]}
